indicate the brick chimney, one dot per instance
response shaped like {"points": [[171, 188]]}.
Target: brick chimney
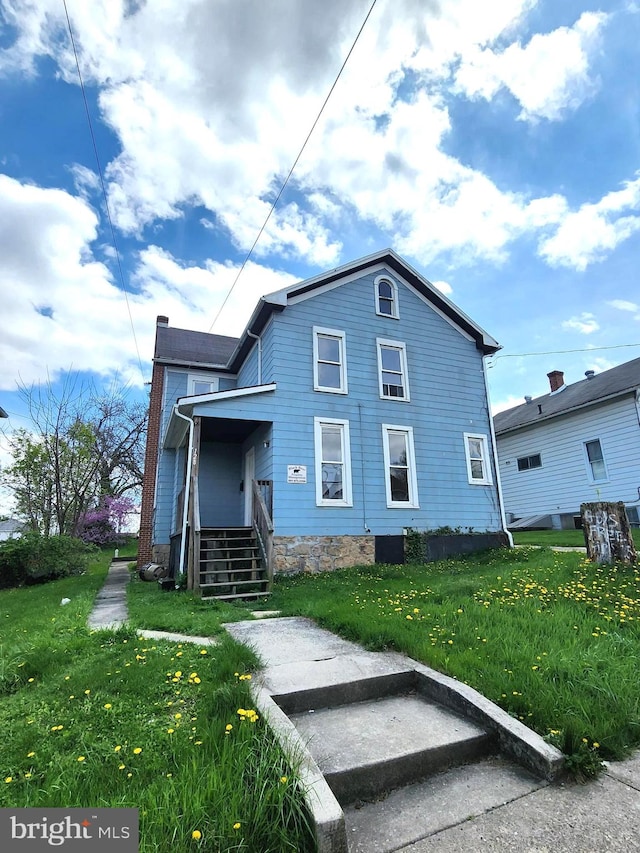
{"points": [[556, 380], [162, 320]]}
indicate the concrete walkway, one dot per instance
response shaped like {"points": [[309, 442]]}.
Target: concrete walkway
{"points": [[600, 817]]}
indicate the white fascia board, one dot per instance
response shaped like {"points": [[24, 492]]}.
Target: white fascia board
{"points": [[214, 396]]}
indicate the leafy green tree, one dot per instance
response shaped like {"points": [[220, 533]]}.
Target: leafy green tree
{"points": [[81, 447]]}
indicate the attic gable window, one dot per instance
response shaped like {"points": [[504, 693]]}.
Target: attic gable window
{"points": [[392, 370], [329, 361], [476, 449], [386, 295]]}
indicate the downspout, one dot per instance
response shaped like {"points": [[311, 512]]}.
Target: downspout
{"points": [[259, 339], [187, 489], [494, 447]]}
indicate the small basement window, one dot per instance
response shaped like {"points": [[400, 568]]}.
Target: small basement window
{"points": [[527, 462]]}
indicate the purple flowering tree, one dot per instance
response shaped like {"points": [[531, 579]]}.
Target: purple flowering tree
{"points": [[105, 524]]}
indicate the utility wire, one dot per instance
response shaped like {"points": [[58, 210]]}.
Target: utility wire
{"points": [[295, 163], [558, 351], [102, 184]]}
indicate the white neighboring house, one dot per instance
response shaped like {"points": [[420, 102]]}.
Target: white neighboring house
{"points": [[578, 443], [11, 528]]}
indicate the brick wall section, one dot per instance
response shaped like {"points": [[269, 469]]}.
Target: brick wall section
{"points": [[150, 466]]}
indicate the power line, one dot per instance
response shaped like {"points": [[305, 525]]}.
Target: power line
{"points": [[102, 184], [295, 163], [561, 351]]}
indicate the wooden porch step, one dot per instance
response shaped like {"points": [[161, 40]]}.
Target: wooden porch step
{"points": [[230, 559], [241, 570], [238, 595], [233, 583]]}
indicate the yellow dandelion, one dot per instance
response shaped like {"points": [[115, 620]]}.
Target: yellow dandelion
{"points": [[81, 758], [203, 651], [117, 748], [283, 780], [30, 754], [8, 779], [170, 731], [228, 727], [108, 705], [120, 766], [27, 775], [137, 750], [177, 716], [30, 680], [196, 835], [596, 745], [237, 825], [86, 692]]}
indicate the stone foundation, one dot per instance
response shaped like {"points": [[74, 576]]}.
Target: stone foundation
{"points": [[160, 554], [321, 553]]}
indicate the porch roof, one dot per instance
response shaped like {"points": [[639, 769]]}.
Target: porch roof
{"points": [[177, 427]]}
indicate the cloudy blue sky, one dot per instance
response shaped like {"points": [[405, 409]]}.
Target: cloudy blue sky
{"points": [[496, 146]]}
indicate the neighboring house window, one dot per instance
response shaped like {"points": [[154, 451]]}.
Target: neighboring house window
{"points": [[476, 449], [333, 462], [392, 370], [386, 297], [329, 361], [400, 466], [527, 462], [595, 458], [202, 384]]}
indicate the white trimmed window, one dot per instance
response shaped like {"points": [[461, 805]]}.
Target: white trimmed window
{"points": [[329, 361], [386, 295], [202, 383], [595, 460], [333, 462], [400, 466], [476, 448], [392, 370]]}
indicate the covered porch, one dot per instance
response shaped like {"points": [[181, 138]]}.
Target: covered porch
{"points": [[222, 531]]}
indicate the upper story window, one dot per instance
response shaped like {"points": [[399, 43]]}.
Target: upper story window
{"points": [[329, 361], [400, 466], [202, 383], [476, 448], [595, 460], [527, 462], [392, 370], [333, 462], [386, 294]]}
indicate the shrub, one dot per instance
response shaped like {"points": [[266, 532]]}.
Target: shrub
{"points": [[35, 559]]}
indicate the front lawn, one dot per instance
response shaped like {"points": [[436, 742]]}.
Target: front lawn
{"points": [[550, 637], [107, 720], [565, 538]]}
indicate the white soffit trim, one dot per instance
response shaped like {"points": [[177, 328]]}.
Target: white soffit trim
{"points": [[225, 395]]}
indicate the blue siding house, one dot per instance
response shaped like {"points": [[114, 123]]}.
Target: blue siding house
{"points": [[578, 443], [353, 406]]}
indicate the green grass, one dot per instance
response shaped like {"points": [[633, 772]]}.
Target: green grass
{"points": [[550, 637], [105, 719], [565, 538]]}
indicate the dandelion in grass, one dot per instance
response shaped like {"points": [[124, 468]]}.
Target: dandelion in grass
{"points": [[8, 779], [196, 835], [203, 651], [237, 825], [170, 731], [86, 692], [30, 754], [117, 748], [81, 758], [137, 750], [283, 780], [108, 706], [177, 716], [121, 766]]}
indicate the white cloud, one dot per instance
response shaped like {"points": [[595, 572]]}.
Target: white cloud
{"points": [[624, 305], [443, 287], [506, 403], [62, 309], [548, 76], [584, 323], [588, 234]]}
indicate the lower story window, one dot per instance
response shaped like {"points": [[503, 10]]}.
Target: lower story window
{"points": [[333, 462], [400, 468], [476, 448], [527, 462]]}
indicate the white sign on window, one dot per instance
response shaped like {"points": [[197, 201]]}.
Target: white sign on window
{"points": [[296, 473]]}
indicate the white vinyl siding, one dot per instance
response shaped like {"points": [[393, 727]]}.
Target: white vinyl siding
{"points": [[329, 361], [332, 462], [386, 296], [476, 448], [400, 466], [393, 376]]}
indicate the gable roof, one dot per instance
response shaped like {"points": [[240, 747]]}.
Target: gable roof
{"points": [[623, 379], [187, 348]]}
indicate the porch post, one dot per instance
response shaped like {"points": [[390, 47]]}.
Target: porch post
{"points": [[193, 555]]}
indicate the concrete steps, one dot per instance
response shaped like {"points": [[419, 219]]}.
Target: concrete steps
{"points": [[368, 748]]}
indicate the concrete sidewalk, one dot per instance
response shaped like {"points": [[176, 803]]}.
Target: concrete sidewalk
{"points": [[564, 817], [110, 607]]}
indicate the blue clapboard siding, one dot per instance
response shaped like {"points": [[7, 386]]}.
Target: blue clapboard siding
{"points": [[447, 399], [563, 483]]}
